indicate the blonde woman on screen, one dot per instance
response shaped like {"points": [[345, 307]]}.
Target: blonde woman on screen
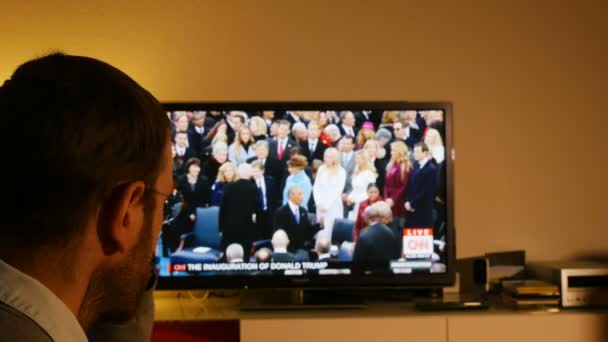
{"points": [[242, 147], [259, 128], [433, 140], [397, 177], [327, 191], [364, 174], [226, 174]]}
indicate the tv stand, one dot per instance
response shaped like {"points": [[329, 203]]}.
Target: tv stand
{"points": [[319, 299], [392, 320]]}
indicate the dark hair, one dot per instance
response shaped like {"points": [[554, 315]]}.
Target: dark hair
{"points": [[349, 137], [297, 161], [344, 113], [372, 185], [263, 254], [90, 129], [283, 122], [214, 129], [179, 132], [190, 162], [296, 150], [423, 146]]}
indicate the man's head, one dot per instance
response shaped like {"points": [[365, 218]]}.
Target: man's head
{"points": [[333, 132], [398, 130], [181, 139], [348, 118], [245, 171], [346, 144], [237, 119], [257, 169], [322, 246], [181, 121], [263, 255], [371, 214], [198, 118], [274, 129], [235, 253], [385, 214], [268, 114], [421, 151], [261, 149], [103, 163], [279, 239], [295, 194], [313, 131], [283, 130], [299, 131]]}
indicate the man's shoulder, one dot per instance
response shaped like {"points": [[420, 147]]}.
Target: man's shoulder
{"points": [[428, 168], [385, 231], [272, 161], [375, 229], [367, 233], [283, 209], [244, 184], [15, 326], [284, 257]]}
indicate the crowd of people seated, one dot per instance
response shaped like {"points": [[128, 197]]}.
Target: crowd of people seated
{"points": [[281, 179]]}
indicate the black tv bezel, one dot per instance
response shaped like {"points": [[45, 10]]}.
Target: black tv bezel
{"points": [[414, 280]]}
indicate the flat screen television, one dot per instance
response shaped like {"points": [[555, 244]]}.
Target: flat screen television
{"points": [[264, 232]]}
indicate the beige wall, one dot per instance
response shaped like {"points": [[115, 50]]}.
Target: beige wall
{"points": [[528, 84]]}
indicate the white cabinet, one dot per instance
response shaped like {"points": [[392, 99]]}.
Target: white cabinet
{"points": [[361, 329], [522, 327], [456, 327]]}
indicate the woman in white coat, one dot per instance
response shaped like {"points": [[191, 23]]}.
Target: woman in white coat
{"points": [[327, 191], [364, 174], [433, 140], [241, 148]]}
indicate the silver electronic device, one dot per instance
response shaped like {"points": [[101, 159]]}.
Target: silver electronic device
{"points": [[582, 284]]}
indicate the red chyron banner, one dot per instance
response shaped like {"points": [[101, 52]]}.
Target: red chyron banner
{"points": [[177, 268], [417, 243]]}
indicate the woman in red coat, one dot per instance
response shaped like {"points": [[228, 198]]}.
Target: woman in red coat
{"points": [[398, 172], [373, 196]]}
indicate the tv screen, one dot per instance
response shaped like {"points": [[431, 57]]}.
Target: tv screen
{"points": [[308, 194]]}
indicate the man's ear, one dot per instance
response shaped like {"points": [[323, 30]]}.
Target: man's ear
{"points": [[120, 218]]}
